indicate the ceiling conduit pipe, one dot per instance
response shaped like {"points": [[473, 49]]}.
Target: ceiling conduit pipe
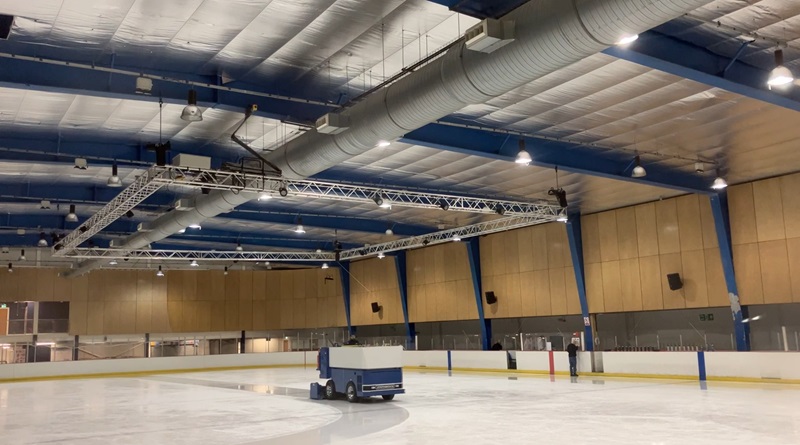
{"points": [[549, 35]]}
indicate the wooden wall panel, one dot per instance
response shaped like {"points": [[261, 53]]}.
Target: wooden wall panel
{"points": [[594, 288], [626, 233], [527, 295], [541, 292], [690, 228], [525, 239], [558, 292], [557, 248], [539, 246], [650, 276], [793, 250], [669, 240], [695, 285], [631, 285], [646, 229], [671, 263], [612, 287], [590, 233], [609, 242], [742, 214], [776, 281], [768, 207], [707, 223], [573, 300], [790, 185], [747, 264]]}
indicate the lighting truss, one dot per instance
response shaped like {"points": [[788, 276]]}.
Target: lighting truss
{"points": [[144, 186], [187, 255], [224, 180], [447, 236], [157, 177]]}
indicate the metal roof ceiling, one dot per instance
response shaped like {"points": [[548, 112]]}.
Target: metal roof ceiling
{"points": [[335, 49]]}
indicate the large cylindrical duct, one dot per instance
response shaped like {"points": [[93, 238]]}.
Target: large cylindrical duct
{"points": [[549, 35]]}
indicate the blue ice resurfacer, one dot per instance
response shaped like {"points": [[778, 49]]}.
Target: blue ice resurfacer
{"points": [[359, 372]]}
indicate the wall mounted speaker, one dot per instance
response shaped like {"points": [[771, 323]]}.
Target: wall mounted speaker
{"points": [[674, 280], [490, 298], [376, 307]]}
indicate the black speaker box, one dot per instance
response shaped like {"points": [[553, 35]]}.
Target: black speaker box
{"points": [[376, 307], [674, 281], [490, 298]]}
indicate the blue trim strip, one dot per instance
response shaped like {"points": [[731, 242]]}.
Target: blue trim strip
{"points": [[701, 365], [576, 252], [449, 361], [719, 207], [474, 255]]}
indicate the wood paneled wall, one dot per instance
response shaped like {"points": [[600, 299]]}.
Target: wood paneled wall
{"points": [[130, 301], [629, 252], [439, 284], [530, 271], [765, 231], [375, 280]]}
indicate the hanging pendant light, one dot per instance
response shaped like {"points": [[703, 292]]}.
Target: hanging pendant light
{"points": [[113, 180], [191, 112]]}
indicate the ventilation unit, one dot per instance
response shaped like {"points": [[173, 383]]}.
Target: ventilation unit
{"points": [[490, 35], [332, 123], [192, 161]]}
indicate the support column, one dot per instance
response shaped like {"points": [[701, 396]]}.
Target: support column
{"points": [[344, 275], [719, 207], [474, 255], [402, 285], [75, 345], [576, 252]]}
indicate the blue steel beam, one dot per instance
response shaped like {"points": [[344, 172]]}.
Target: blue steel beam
{"points": [[719, 208], [16, 73], [402, 284], [670, 55], [576, 252], [344, 275], [569, 157], [474, 255]]}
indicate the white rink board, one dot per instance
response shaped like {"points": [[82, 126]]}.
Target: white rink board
{"points": [[766, 365], [479, 359], [659, 363], [357, 357], [425, 359]]}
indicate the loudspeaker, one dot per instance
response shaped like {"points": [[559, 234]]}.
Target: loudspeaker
{"points": [[674, 281], [376, 307], [490, 298]]}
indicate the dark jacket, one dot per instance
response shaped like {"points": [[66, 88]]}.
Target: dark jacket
{"points": [[572, 350]]}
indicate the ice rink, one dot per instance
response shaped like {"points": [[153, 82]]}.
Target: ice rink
{"points": [[271, 406]]}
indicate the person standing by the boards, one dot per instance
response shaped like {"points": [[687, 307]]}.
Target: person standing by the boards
{"points": [[572, 351]]}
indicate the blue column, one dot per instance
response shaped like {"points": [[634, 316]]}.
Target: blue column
{"points": [[474, 255], [402, 285], [344, 273], [719, 207], [576, 252]]}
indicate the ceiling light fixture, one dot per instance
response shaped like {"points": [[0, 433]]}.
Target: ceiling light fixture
{"points": [[381, 255], [523, 157], [719, 183], [194, 263], [181, 231], [10, 268], [191, 112], [22, 255], [444, 205], [71, 216], [160, 272], [44, 205], [781, 75], [389, 231], [324, 265], [195, 226], [562, 217], [239, 247], [500, 210], [456, 238], [42, 240], [627, 38], [384, 143], [283, 191], [264, 196], [112, 262], [299, 228], [638, 170], [113, 180], [225, 272]]}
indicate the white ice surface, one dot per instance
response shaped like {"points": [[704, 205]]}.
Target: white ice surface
{"points": [[271, 406]]}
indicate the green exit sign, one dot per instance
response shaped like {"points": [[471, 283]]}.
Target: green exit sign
{"points": [[706, 317]]}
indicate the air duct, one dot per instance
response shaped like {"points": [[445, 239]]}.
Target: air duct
{"points": [[549, 35]]}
